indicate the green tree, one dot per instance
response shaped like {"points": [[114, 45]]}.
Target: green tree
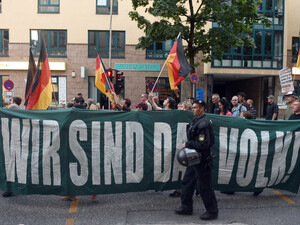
{"points": [[233, 21]]}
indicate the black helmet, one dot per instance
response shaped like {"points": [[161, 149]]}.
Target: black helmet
{"points": [[188, 157]]}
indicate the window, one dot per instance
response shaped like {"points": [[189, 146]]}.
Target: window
{"points": [[4, 40], [0, 6], [273, 10], [48, 6], [267, 54], [295, 48], [56, 42], [99, 44], [159, 50], [59, 91], [103, 7]]}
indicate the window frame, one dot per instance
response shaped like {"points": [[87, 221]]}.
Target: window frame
{"points": [[49, 4], [105, 50], [107, 6], [156, 52], [2, 34], [36, 50]]}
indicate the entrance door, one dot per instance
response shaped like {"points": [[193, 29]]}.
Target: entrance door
{"points": [[268, 87]]}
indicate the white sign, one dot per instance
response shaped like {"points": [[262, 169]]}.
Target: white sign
{"points": [[9, 93], [286, 80]]}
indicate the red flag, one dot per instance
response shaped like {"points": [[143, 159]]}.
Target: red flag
{"points": [[41, 92], [30, 76], [103, 82], [178, 66]]}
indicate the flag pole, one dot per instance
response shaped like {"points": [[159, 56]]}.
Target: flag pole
{"points": [[162, 69], [158, 76]]}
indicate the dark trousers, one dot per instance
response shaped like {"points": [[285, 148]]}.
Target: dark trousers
{"points": [[198, 176]]}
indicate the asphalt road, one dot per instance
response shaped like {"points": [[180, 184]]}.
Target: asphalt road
{"points": [[149, 207]]}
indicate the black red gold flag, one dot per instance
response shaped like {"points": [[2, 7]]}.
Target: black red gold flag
{"points": [[102, 81], [178, 66], [41, 91], [30, 76]]}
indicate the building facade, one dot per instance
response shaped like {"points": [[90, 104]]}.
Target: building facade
{"points": [[75, 33]]}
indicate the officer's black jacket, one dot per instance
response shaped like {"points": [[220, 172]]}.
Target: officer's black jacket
{"points": [[200, 135]]}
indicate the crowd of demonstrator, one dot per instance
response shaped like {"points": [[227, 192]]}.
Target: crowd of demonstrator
{"points": [[200, 137], [240, 107]]}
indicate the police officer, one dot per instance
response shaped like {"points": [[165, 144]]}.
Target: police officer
{"points": [[201, 138]]}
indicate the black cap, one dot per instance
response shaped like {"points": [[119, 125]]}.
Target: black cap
{"points": [[201, 103]]}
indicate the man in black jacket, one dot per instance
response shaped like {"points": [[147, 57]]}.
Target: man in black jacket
{"points": [[201, 138], [296, 110]]}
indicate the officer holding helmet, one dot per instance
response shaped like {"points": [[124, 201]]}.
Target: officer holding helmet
{"points": [[201, 138]]}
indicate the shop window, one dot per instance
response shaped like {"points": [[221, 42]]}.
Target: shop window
{"points": [[56, 42], [103, 7], [98, 43], [59, 91], [159, 50], [93, 92], [3, 99], [295, 48], [4, 40], [48, 6]]}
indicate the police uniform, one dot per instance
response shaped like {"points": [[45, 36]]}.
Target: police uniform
{"points": [[201, 138]]}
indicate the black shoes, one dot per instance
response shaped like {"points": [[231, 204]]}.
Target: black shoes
{"points": [[228, 192], [208, 216], [7, 194], [175, 194], [181, 211], [257, 193]]}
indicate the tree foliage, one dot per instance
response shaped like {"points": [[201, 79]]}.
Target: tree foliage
{"points": [[163, 20]]}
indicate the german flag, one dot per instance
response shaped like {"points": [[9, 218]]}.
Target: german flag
{"points": [[40, 96], [30, 76], [298, 60], [103, 82], [178, 66]]}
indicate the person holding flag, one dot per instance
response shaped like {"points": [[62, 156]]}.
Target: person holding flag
{"points": [[178, 66]]}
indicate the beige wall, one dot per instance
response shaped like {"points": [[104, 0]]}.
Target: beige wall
{"points": [[75, 16], [292, 18]]}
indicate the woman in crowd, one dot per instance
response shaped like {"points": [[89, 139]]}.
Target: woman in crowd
{"points": [[224, 107]]}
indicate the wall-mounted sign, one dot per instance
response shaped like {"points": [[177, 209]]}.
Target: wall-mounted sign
{"points": [[138, 67]]}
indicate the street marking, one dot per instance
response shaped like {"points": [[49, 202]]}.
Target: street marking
{"points": [[69, 221], [74, 206], [284, 197]]}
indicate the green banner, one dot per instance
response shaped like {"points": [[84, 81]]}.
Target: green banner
{"points": [[82, 152]]}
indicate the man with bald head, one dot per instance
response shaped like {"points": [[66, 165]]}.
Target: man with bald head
{"points": [[237, 108]]}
